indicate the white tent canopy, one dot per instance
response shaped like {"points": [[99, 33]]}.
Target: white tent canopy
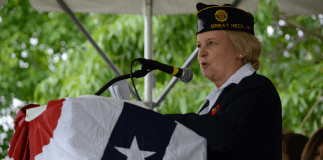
{"points": [[2, 2], [299, 7], [136, 6], [290, 7]]}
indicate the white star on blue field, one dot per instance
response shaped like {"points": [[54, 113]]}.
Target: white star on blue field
{"points": [[134, 153]]}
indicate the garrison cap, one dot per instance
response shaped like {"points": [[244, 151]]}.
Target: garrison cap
{"points": [[226, 17]]}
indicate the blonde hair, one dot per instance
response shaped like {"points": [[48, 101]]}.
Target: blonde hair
{"points": [[248, 44]]}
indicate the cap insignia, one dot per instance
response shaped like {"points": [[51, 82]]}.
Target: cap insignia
{"points": [[221, 15], [200, 25]]}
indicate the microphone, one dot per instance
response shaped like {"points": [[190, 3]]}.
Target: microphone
{"points": [[184, 74]]}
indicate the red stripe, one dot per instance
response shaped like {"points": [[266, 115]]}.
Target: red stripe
{"points": [[39, 131], [19, 141]]}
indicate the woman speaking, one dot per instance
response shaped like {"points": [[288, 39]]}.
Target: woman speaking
{"points": [[242, 118]]}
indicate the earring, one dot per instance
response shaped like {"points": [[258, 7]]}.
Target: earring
{"points": [[240, 55]]}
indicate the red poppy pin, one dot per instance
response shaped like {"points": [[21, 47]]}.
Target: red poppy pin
{"points": [[214, 110]]}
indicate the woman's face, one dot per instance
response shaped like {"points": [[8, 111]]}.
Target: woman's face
{"points": [[319, 153], [218, 57]]}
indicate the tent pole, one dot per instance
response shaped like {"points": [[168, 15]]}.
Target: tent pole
{"points": [[149, 79], [86, 33], [170, 85]]}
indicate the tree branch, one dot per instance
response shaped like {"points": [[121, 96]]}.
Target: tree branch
{"points": [[287, 49], [34, 61], [288, 22], [320, 99]]}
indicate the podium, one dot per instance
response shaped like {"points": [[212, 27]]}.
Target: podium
{"points": [[95, 127]]}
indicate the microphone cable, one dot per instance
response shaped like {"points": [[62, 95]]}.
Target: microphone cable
{"points": [[131, 77]]}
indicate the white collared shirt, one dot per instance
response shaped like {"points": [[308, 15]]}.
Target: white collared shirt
{"points": [[244, 71]]}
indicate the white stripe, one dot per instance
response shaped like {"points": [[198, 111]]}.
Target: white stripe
{"points": [[185, 145], [83, 129], [33, 113]]}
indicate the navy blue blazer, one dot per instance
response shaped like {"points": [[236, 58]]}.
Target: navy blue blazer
{"points": [[248, 125]]}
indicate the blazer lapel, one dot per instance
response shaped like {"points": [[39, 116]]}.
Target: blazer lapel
{"points": [[206, 104], [226, 91]]}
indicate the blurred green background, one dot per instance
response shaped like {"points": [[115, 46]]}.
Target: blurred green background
{"points": [[44, 56]]}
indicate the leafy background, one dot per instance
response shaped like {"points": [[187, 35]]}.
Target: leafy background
{"points": [[44, 56]]}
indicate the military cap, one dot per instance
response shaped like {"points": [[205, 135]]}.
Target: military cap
{"points": [[226, 17]]}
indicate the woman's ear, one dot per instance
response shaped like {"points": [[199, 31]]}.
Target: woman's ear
{"points": [[240, 55]]}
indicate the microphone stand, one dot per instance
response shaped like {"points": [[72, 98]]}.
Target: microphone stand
{"points": [[137, 74]]}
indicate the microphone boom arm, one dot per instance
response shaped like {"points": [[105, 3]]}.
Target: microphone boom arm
{"points": [[136, 74]]}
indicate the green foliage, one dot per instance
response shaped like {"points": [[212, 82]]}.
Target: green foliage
{"points": [[63, 63], [294, 66]]}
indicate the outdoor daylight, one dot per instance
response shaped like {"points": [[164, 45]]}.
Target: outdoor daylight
{"points": [[161, 79]]}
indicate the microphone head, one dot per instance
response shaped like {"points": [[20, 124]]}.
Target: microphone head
{"points": [[187, 75]]}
